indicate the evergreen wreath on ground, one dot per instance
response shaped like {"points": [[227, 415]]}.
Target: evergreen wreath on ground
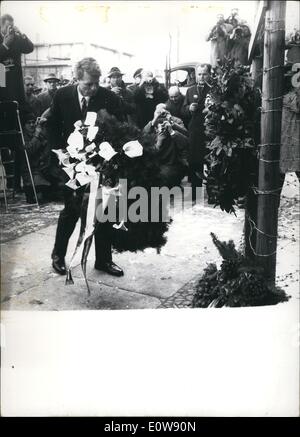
{"points": [[142, 172], [238, 283], [116, 151], [229, 127]]}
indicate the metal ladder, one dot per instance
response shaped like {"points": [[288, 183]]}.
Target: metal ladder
{"points": [[12, 137]]}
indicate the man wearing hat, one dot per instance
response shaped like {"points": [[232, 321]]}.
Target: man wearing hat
{"points": [[137, 76], [117, 86], [46, 98]]}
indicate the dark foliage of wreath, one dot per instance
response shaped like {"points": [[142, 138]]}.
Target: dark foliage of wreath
{"points": [[230, 129], [142, 171], [239, 282]]}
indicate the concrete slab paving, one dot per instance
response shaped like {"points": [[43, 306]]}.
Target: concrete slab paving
{"points": [[54, 295], [151, 278]]}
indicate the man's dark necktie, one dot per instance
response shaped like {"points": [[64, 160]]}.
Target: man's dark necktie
{"points": [[83, 108]]}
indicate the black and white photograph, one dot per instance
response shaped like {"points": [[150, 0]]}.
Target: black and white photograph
{"points": [[149, 200]]}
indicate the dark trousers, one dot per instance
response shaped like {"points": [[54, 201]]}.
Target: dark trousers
{"points": [[66, 224], [195, 171]]}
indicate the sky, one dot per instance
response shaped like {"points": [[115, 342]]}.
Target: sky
{"points": [[139, 27], [147, 29]]}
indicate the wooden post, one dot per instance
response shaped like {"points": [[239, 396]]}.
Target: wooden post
{"points": [[257, 72], [269, 177], [167, 74], [251, 198]]}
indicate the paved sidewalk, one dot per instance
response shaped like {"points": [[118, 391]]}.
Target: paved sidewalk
{"points": [[151, 280]]}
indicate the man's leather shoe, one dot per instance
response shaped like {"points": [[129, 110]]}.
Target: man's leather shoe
{"points": [[59, 265], [110, 268]]}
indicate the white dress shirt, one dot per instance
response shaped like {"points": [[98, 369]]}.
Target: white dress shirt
{"points": [[80, 97]]}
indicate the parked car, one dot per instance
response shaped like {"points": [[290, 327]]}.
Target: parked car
{"points": [[182, 75]]}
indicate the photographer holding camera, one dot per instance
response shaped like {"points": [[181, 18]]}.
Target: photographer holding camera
{"points": [[218, 36], [12, 44], [171, 144], [147, 96], [161, 113]]}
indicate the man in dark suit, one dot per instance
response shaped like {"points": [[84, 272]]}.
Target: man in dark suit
{"points": [[175, 104], [30, 98], [193, 109], [70, 104]]}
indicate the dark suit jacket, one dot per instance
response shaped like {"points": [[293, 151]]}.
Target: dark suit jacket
{"points": [[11, 59], [45, 99], [176, 109], [65, 110]]}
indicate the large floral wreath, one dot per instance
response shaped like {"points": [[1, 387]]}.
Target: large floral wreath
{"points": [[230, 130], [100, 152]]}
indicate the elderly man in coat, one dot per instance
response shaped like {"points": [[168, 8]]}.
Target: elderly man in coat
{"points": [[193, 109], [45, 99], [175, 104], [118, 87]]}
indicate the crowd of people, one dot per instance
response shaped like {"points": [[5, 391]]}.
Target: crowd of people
{"points": [[146, 103], [230, 38], [48, 116]]}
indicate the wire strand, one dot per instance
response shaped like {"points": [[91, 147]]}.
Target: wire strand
{"points": [[271, 99], [269, 144], [250, 242], [269, 160], [258, 230], [266, 192], [272, 68], [264, 111]]}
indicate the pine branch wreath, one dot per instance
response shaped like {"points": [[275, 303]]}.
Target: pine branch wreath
{"points": [[229, 127]]}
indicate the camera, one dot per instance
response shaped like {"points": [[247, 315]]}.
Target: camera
{"points": [[11, 30], [238, 32], [40, 121]]}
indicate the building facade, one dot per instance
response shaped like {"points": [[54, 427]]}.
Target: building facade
{"points": [[59, 58]]}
